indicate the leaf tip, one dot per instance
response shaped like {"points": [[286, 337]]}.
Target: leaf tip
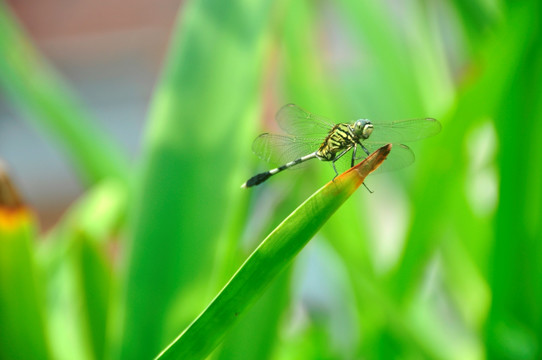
{"points": [[373, 161], [13, 212], [357, 174], [9, 197]]}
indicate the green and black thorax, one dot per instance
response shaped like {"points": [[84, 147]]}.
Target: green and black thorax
{"points": [[342, 137]]}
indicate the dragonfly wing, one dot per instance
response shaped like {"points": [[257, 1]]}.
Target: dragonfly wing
{"points": [[298, 122], [405, 130], [280, 149], [399, 157]]}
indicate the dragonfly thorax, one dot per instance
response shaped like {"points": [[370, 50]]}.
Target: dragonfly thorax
{"points": [[363, 128]]}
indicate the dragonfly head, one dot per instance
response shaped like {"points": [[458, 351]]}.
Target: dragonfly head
{"points": [[363, 128]]}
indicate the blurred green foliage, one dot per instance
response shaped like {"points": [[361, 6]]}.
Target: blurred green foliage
{"points": [[443, 261]]}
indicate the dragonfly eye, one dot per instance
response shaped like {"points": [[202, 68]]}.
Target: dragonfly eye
{"points": [[367, 130], [363, 128]]}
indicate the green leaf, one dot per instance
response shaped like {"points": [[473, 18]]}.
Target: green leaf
{"points": [[22, 317], [201, 119], [267, 261], [74, 259], [94, 279], [515, 320], [242, 342]]}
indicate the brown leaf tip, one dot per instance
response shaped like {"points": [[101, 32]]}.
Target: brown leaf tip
{"points": [[374, 160], [9, 197]]}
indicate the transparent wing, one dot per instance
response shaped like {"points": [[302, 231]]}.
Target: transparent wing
{"points": [[280, 149], [298, 122], [400, 157], [404, 130]]}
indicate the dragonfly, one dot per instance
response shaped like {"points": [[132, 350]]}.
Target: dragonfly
{"points": [[310, 136]]}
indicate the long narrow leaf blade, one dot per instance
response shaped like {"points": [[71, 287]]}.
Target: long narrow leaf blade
{"points": [[200, 124], [271, 257], [23, 334]]}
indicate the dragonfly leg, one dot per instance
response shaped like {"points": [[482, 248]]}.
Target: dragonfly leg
{"points": [[353, 156], [364, 149], [336, 173], [367, 152], [369, 190], [337, 158]]}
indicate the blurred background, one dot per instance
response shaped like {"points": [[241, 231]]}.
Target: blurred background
{"points": [[111, 56], [127, 128]]}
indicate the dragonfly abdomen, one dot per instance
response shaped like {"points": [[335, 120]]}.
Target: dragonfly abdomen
{"points": [[261, 177], [292, 163], [339, 139]]}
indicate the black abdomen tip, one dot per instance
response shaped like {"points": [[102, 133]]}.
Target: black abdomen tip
{"points": [[258, 179]]}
